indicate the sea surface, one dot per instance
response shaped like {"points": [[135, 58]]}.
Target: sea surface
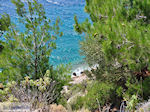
{"points": [[67, 46]]}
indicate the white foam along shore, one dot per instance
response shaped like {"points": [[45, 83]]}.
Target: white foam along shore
{"points": [[78, 68], [53, 2]]}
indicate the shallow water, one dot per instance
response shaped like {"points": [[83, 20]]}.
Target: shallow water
{"points": [[67, 46]]}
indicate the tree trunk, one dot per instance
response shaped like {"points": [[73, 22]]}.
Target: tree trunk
{"points": [[36, 55]]}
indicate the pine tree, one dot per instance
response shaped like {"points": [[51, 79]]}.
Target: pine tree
{"points": [[26, 53], [118, 37]]}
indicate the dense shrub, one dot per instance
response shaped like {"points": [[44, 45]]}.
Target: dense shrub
{"points": [[73, 96], [60, 75], [79, 103], [98, 94], [146, 88], [132, 103]]}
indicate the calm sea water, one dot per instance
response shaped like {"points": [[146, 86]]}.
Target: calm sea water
{"points": [[67, 46]]}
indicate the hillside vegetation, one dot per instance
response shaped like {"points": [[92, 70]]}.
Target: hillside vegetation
{"points": [[116, 38]]}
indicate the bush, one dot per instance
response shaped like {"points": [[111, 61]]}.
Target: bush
{"points": [[79, 103], [98, 94], [74, 96], [40, 92], [132, 103], [60, 75], [135, 87], [136, 91], [146, 88]]}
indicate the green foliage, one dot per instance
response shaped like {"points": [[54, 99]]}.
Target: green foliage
{"points": [[6, 92], [137, 9], [117, 40], [79, 104], [135, 92], [132, 103], [31, 90], [112, 40], [80, 87], [4, 23], [73, 93], [60, 75], [134, 88], [27, 53], [97, 94], [120, 91], [146, 88], [20, 7]]}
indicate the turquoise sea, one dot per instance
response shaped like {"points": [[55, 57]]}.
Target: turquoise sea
{"points": [[67, 46]]}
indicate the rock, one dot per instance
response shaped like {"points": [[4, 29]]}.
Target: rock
{"points": [[93, 69], [74, 74], [57, 108], [114, 109], [78, 79], [82, 73], [65, 90]]}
